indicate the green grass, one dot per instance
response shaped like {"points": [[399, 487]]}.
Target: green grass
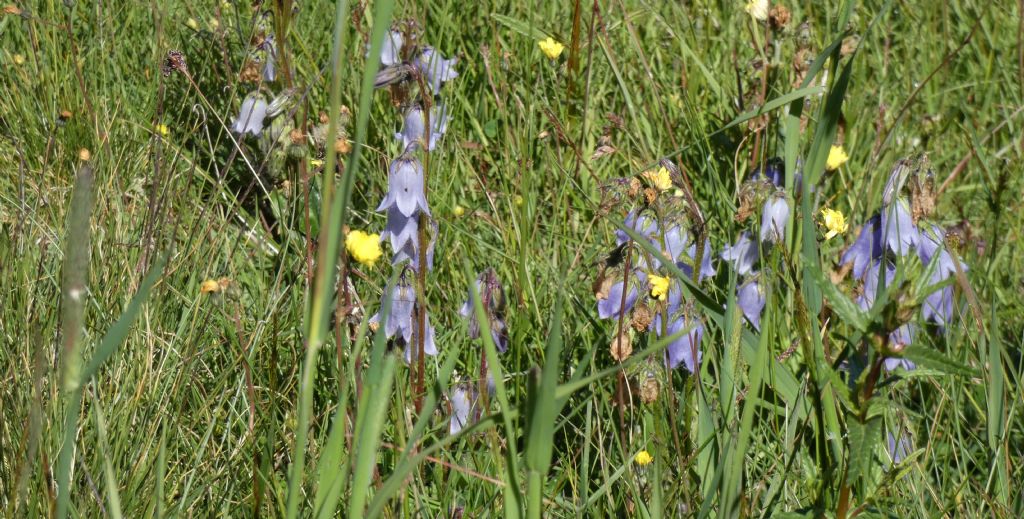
{"points": [[147, 398]]}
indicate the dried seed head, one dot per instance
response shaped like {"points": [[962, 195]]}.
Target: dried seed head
{"points": [[603, 286], [250, 72], [779, 16], [621, 346], [641, 317], [634, 187], [324, 118], [650, 195], [649, 389], [342, 146], [297, 137]]}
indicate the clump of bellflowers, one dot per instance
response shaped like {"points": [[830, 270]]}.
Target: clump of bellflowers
{"points": [[416, 73], [636, 288], [898, 234], [492, 298]]}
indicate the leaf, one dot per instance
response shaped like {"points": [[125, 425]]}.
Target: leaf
{"points": [[849, 312], [934, 359], [862, 438], [519, 26]]}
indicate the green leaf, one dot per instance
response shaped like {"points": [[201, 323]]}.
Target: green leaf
{"points": [[862, 439], [519, 26], [934, 359], [846, 309]]}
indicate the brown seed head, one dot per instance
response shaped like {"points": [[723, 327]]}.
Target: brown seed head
{"points": [[649, 389], [621, 347], [641, 317]]}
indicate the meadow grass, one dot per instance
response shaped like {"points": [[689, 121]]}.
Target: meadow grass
{"points": [[134, 383]]}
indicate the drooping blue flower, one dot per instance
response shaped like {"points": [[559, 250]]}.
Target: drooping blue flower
{"points": [[436, 70], [401, 229], [743, 254], [706, 266], [414, 126], [899, 447], [611, 306], [251, 115], [899, 339], [400, 317], [270, 58], [938, 305], [898, 230], [750, 299], [774, 217], [391, 49], [410, 251], [463, 401], [641, 224], [871, 278], [492, 295], [429, 347], [405, 187], [675, 244], [685, 350], [867, 247], [774, 170]]}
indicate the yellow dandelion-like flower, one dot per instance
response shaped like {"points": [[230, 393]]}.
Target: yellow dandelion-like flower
{"points": [[659, 287], [363, 247], [84, 155], [210, 286], [163, 130], [835, 222], [551, 48], [192, 24], [660, 178], [316, 163], [643, 458], [758, 9], [18, 59], [458, 211], [214, 24], [836, 157]]}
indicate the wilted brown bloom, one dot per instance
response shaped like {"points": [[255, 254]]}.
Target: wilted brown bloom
{"points": [[779, 16], [649, 389], [250, 72], [641, 317], [621, 347]]}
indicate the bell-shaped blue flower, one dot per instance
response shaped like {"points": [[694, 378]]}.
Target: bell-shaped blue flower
{"points": [[898, 230], [463, 401], [400, 229], [414, 126], [774, 217], [412, 345], [899, 339], [641, 224], [436, 70], [400, 316], [250, 117], [871, 278], [750, 299], [611, 306], [899, 447], [867, 247], [410, 251], [685, 350], [391, 49], [706, 266], [405, 187], [743, 254]]}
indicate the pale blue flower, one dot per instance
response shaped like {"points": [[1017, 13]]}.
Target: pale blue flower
{"points": [[871, 278], [391, 49], [436, 70], [751, 300], [899, 447], [899, 339], [743, 254], [774, 217], [898, 230], [685, 350], [414, 126], [250, 117], [405, 187], [867, 247], [401, 229], [463, 401], [611, 307]]}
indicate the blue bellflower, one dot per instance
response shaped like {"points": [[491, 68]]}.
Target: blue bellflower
{"points": [[463, 402], [410, 251], [685, 350], [774, 217], [414, 126], [938, 305], [898, 230], [871, 278], [706, 267], [900, 339], [492, 297], [899, 447], [743, 254], [750, 299], [391, 49], [251, 115], [867, 247], [400, 316], [611, 306], [436, 70], [270, 59], [429, 348], [405, 187]]}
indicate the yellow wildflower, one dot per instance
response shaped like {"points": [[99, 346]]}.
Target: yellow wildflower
{"points": [[834, 221], [518, 200], [758, 9], [836, 157], [551, 48], [316, 163], [659, 287], [210, 286], [84, 155], [214, 24], [18, 59], [192, 24], [660, 179], [363, 247], [163, 130], [643, 458], [458, 211]]}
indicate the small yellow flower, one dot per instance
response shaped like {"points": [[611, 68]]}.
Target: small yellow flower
{"points": [[316, 163], [551, 48], [214, 24], [518, 200], [210, 286], [643, 458], [363, 247], [18, 59], [836, 157], [758, 9], [84, 155], [192, 24], [660, 179], [834, 221], [163, 130], [659, 287], [458, 211]]}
